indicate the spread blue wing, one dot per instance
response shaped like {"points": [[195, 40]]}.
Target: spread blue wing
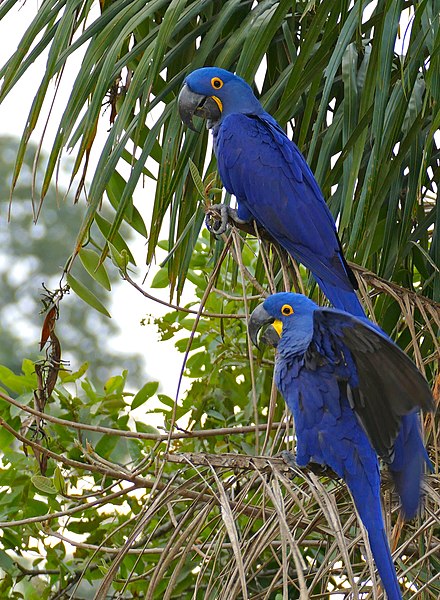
{"points": [[386, 386]]}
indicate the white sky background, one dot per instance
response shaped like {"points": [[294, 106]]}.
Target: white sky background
{"points": [[128, 307]]}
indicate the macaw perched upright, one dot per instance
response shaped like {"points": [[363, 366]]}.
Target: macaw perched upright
{"points": [[348, 387], [274, 185], [270, 178]]}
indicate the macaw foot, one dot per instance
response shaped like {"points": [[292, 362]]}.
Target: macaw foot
{"points": [[217, 217], [289, 458]]}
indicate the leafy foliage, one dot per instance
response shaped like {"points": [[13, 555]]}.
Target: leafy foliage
{"points": [[32, 255], [101, 503]]}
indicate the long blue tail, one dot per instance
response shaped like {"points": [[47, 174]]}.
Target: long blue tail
{"points": [[384, 562], [369, 507], [343, 299]]}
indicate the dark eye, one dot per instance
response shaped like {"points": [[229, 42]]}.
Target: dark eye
{"points": [[216, 83], [287, 310]]}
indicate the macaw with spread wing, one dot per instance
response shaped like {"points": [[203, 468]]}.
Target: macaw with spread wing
{"points": [[348, 387], [274, 186], [270, 178]]}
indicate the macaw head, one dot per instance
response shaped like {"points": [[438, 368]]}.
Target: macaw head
{"points": [[213, 93], [291, 315]]}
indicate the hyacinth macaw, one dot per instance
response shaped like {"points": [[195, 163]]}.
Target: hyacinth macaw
{"points": [[348, 386], [274, 186], [270, 178]]}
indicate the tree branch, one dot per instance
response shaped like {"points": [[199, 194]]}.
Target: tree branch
{"points": [[160, 437]]}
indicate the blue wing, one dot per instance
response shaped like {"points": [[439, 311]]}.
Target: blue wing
{"points": [[315, 388], [380, 396], [389, 392], [273, 184]]}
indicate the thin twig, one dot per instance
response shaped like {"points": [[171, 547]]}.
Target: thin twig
{"points": [[236, 239], [74, 463], [160, 437], [190, 311], [69, 511]]}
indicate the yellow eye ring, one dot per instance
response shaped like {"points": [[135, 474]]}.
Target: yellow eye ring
{"points": [[216, 83], [287, 310]]}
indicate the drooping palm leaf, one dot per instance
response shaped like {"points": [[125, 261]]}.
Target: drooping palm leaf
{"points": [[318, 58]]}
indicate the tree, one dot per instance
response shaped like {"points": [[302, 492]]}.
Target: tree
{"points": [[32, 256], [206, 524]]}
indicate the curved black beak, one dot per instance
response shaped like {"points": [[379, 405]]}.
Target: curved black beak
{"points": [[191, 104], [258, 319], [270, 337]]}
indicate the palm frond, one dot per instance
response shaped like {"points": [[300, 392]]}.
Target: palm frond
{"points": [[320, 61]]}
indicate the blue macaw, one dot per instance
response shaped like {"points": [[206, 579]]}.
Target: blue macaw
{"points": [[270, 178], [348, 387], [274, 186]]}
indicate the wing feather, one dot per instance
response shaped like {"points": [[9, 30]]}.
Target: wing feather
{"points": [[267, 173], [385, 384]]}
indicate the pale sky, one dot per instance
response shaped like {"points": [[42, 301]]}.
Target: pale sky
{"points": [[127, 307]]}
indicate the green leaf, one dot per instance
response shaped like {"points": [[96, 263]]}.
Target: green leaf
{"points": [[6, 438], [59, 482], [44, 484], [144, 394], [120, 259], [90, 260], [85, 294], [161, 279], [115, 191], [114, 384], [106, 445], [166, 400], [6, 562], [118, 241], [145, 428], [197, 179], [68, 376], [215, 414]]}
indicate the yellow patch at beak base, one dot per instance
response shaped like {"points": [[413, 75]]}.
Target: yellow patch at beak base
{"points": [[278, 326], [218, 102]]}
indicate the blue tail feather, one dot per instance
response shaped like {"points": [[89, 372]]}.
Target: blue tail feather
{"points": [[342, 299], [370, 511], [408, 466], [384, 562]]}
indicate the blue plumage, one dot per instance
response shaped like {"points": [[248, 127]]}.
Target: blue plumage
{"points": [[273, 184], [410, 458], [348, 387]]}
